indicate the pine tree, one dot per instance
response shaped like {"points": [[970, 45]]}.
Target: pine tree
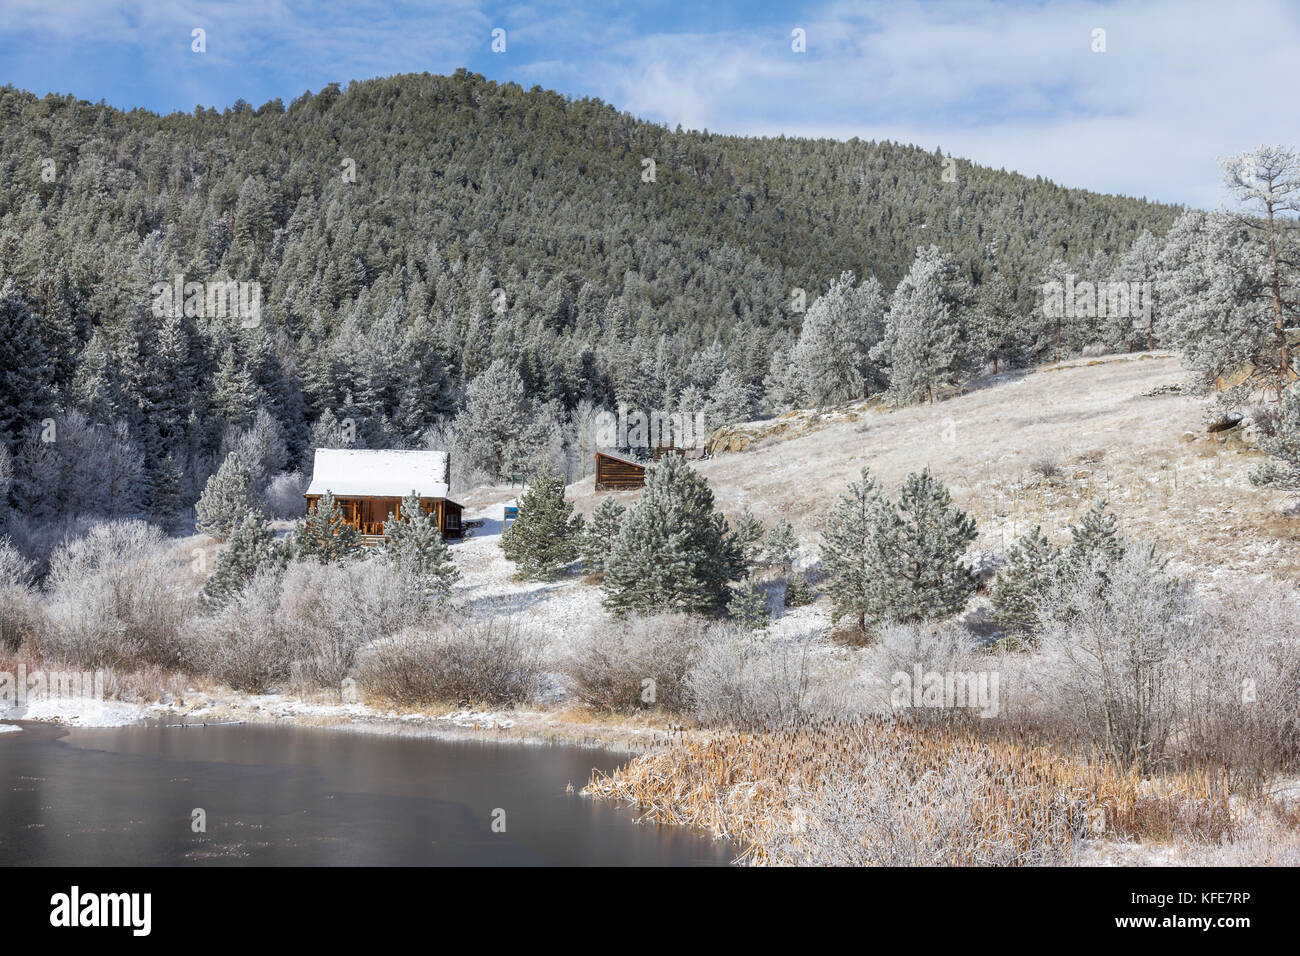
{"points": [[599, 534], [832, 361], [324, 534], [747, 532], [852, 557], [1026, 580], [933, 536], [748, 606], [922, 343], [252, 548], [1283, 445], [674, 552], [414, 545], [542, 541], [226, 498], [1095, 542], [782, 547]]}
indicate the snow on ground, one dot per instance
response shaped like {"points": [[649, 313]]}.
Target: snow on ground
{"points": [[78, 712], [9, 729]]}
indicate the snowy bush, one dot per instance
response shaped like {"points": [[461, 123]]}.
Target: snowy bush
{"points": [[635, 663], [115, 599], [245, 644], [491, 662], [20, 608], [751, 681]]}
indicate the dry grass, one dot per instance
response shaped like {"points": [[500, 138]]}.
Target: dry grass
{"points": [[881, 791]]}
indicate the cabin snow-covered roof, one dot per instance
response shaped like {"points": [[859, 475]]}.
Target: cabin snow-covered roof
{"points": [[361, 473]]}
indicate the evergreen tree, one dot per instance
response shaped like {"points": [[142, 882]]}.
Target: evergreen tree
{"points": [[1095, 542], [747, 532], [922, 344], [226, 498], [324, 534], [932, 537], [252, 548], [748, 606], [832, 360], [1026, 580], [674, 552], [1283, 445], [414, 544], [542, 540], [782, 547], [852, 554], [599, 534]]}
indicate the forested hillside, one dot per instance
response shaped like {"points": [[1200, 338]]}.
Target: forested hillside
{"points": [[414, 234]]}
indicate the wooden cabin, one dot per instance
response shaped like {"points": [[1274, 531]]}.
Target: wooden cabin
{"points": [[370, 485], [616, 473]]}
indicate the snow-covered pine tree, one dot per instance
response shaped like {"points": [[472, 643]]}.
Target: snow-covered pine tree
{"points": [[729, 401], [1266, 180], [748, 606], [415, 546], [781, 547], [932, 537], [747, 531], [851, 552], [831, 363], [599, 534], [674, 552], [252, 548], [542, 541], [922, 346], [1095, 541], [1025, 581], [226, 498], [324, 534]]}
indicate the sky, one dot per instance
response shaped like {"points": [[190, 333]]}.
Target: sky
{"points": [[1177, 85]]}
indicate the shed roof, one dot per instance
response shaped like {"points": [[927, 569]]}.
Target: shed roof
{"points": [[364, 473], [623, 458]]}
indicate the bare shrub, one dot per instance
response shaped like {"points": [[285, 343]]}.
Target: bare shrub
{"points": [[334, 610], [636, 663], [911, 651], [1047, 465], [491, 662], [116, 599], [1113, 650], [283, 497], [1093, 350], [749, 681], [1243, 686], [245, 644], [21, 614]]}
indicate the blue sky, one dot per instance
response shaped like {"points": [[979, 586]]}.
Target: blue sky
{"points": [[1181, 84]]}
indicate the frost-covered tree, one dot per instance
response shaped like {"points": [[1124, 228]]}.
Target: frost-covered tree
{"points": [[542, 540], [1025, 582], [931, 536], [781, 547], [1283, 445], [997, 330], [922, 347], [1266, 180], [251, 549], [599, 533], [1095, 541], [674, 551], [903, 562], [832, 361], [1136, 327], [729, 401], [414, 545], [853, 556], [748, 606], [498, 430], [226, 498], [747, 532], [325, 535]]}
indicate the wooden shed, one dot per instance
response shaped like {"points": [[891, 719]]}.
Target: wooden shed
{"points": [[616, 473], [370, 485]]}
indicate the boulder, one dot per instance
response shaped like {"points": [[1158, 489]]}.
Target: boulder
{"points": [[1225, 422]]}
